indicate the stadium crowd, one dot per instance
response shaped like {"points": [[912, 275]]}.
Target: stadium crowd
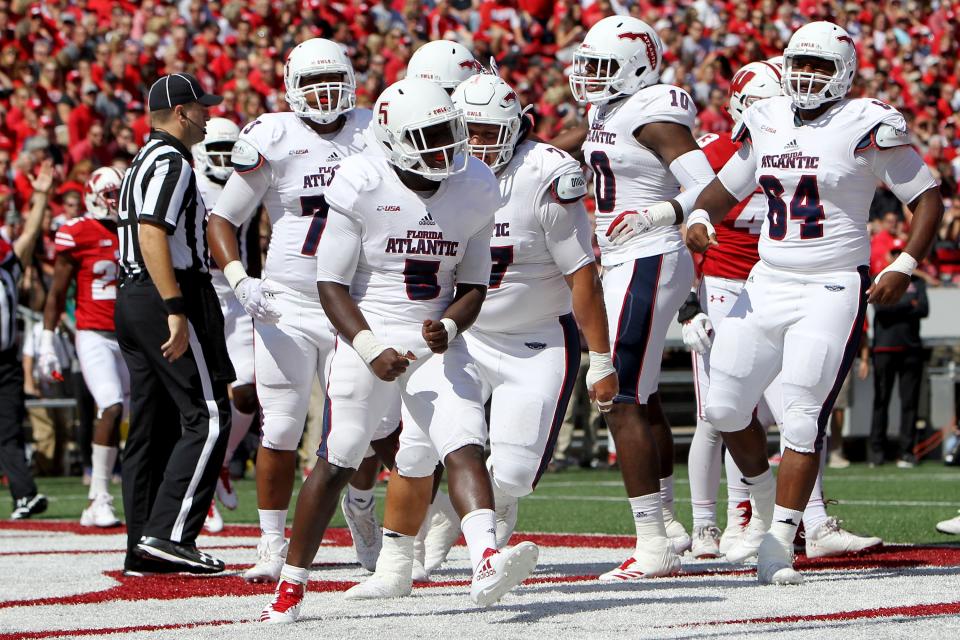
{"points": [[73, 75]]}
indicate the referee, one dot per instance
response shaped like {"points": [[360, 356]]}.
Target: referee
{"points": [[170, 330]]}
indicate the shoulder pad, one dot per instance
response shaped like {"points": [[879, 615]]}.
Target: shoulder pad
{"points": [[357, 174], [569, 187], [244, 157], [663, 103], [888, 135]]}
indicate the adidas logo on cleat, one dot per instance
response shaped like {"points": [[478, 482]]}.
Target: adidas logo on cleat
{"points": [[485, 570], [427, 220]]}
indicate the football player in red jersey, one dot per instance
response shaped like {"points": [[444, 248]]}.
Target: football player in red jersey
{"points": [[86, 251]]}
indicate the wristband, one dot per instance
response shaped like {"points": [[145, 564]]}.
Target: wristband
{"points": [[700, 216], [234, 273], [904, 263], [175, 306], [689, 309], [367, 346], [451, 328]]}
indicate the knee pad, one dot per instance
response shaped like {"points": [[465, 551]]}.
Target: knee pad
{"points": [[281, 433], [416, 461], [513, 475], [727, 418], [801, 429]]}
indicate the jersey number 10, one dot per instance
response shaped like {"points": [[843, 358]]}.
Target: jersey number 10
{"points": [[804, 206]]}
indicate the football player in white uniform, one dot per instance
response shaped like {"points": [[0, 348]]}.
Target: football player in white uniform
{"points": [[817, 156], [212, 163], [642, 151], [725, 269], [287, 160], [443, 62], [403, 264]]}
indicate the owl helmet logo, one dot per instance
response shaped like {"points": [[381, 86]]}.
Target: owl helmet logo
{"points": [[508, 99], [471, 64], [651, 48]]}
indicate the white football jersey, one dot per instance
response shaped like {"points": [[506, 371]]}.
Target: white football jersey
{"points": [[628, 176], [538, 238], [818, 185], [210, 191], [300, 165], [400, 253]]}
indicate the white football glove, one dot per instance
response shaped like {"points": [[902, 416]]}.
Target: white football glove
{"points": [[698, 333], [249, 292], [47, 358], [631, 223]]}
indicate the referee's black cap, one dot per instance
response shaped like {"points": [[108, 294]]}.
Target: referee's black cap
{"points": [[179, 88]]}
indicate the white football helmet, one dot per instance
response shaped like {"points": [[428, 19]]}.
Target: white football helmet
{"points": [[619, 56], [754, 81], [420, 130], [488, 99], [101, 194], [445, 62], [820, 40], [329, 99], [212, 156]]}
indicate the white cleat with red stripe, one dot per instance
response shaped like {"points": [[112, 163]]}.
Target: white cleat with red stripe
{"points": [[285, 607], [500, 571], [654, 558]]}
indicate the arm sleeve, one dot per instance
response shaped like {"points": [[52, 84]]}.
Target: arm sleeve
{"points": [[902, 170], [693, 171], [241, 195], [475, 266], [164, 190], [567, 233], [339, 248], [738, 176]]}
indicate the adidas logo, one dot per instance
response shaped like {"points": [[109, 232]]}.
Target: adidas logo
{"points": [[792, 145], [485, 570], [333, 157], [427, 220]]}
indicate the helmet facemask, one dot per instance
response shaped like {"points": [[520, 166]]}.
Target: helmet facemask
{"points": [[812, 89], [435, 149], [496, 140], [323, 93], [215, 159], [596, 77]]}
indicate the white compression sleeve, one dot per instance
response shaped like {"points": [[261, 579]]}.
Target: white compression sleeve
{"points": [[241, 195], [692, 170]]}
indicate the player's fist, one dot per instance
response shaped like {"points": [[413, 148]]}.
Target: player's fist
{"points": [[47, 358], [435, 335], [698, 333], [249, 292], [699, 238], [602, 382], [390, 365], [888, 288]]}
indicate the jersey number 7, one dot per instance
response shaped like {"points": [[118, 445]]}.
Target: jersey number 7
{"points": [[317, 207]]}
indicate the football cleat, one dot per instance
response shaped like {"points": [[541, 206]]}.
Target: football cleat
{"points": [[653, 558], [28, 506], [737, 520], [706, 542], [379, 586], [746, 546], [775, 562], [285, 607], [443, 534], [271, 554], [365, 531], [213, 522], [950, 527], [679, 537], [500, 571], [507, 508], [186, 556], [420, 552], [100, 513], [829, 539], [225, 493]]}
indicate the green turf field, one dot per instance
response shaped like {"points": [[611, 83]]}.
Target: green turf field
{"points": [[900, 505]]}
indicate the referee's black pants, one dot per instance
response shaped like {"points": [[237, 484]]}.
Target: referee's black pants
{"points": [[179, 411], [888, 366], [13, 460]]}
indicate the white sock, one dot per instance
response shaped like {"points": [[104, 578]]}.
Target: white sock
{"points": [[816, 512], [396, 556], [480, 531], [737, 492], [103, 459], [272, 522], [785, 524], [704, 473], [359, 499], [648, 516], [291, 573], [763, 490], [239, 426], [666, 497]]}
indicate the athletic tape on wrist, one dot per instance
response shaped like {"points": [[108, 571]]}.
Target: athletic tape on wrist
{"points": [[451, 328], [234, 273], [904, 263], [601, 365], [700, 216], [367, 346]]}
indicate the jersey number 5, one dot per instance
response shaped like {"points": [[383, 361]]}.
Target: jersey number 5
{"points": [[805, 206], [317, 207], [420, 276]]}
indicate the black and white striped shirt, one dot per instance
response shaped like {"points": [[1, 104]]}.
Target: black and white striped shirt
{"points": [[10, 272], [160, 188]]}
